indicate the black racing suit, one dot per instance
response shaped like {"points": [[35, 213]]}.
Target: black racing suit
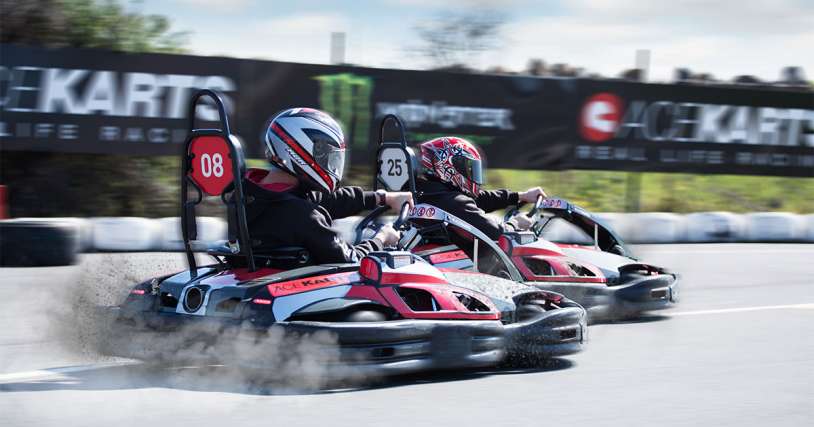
{"points": [[297, 217], [470, 209], [473, 211]]}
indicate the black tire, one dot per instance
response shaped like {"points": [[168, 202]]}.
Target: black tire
{"points": [[38, 243]]}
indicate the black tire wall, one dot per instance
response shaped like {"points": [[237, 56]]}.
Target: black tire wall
{"points": [[38, 243]]}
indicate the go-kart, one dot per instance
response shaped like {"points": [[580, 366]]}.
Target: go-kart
{"points": [[602, 277], [560, 330], [391, 313]]}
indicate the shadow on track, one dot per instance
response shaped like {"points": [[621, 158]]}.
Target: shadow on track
{"points": [[228, 380], [645, 318], [514, 368]]}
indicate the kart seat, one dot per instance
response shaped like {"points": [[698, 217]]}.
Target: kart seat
{"points": [[284, 257]]}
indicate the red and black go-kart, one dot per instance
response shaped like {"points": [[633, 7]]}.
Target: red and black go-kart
{"points": [[602, 277], [391, 313], [601, 273], [559, 330]]}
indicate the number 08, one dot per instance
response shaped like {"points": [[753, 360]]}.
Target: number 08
{"points": [[212, 165]]}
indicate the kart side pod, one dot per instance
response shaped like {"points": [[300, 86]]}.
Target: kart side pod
{"points": [[372, 265]]}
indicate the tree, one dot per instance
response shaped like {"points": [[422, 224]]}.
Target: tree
{"points": [[86, 23], [452, 40], [39, 22]]}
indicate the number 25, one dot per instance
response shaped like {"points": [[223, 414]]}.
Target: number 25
{"points": [[395, 167]]}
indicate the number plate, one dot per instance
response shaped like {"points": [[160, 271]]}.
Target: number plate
{"points": [[393, 171], [423, 211], [554, 204], [211, 168]]}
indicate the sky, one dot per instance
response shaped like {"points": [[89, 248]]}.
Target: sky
{"points": [[726, 38]]}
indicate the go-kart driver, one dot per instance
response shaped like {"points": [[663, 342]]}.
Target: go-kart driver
{"points": [[451, 180], [295, 201]]}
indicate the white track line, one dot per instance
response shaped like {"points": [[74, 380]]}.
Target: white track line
{"points": [[723, 251], [42, 374], [743, 309]]}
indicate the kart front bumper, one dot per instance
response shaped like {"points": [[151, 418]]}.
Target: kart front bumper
{"points": [[555, 333], [623, 301], [340, 349]]}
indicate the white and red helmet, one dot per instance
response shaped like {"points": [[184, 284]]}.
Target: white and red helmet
{"points": [[455, 161], [309, 144]]}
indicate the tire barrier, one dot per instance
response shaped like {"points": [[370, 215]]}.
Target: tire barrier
{"points": [[38, 243], [84, 228], [57, 241], [705, 227], [618, 222], [656, 227], [126, 234], [210, 229], [661, 227], [809, 221], [562, 232], [775, 227]]}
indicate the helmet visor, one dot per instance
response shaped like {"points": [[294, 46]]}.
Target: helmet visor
{"points": [[330, 158], [469, 168]]}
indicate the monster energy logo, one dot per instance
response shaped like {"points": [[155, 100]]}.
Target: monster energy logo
{"points": [[347, 97]]}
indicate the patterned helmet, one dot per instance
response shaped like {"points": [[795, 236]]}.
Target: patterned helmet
{"points": [[455, 161], [309, 144]]}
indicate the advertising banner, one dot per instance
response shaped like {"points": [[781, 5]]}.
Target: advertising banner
{"points": [[92, 101], [89, 101], [691, 128], [518, 121]]}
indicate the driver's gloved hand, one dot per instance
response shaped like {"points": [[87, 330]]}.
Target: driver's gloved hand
{"points": [[521, 222], [388, 235], [530, 195], [394, 199]]}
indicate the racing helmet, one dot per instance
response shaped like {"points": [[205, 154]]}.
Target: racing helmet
{"points": [[455, 161], [308, 144]]}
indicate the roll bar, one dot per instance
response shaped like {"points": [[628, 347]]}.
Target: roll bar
{"points": [[395, 161], [213, 164]]}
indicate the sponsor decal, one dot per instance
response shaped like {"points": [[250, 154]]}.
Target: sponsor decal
{"points": [[77, 92], [605, 116], [311, 283], [417, 114], [448, 257], [346, 97], [554, 204], [422, 211], [106, 93], [600, 117]]}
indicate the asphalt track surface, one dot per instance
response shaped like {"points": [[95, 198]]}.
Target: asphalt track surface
{"points": [[739, 350]]}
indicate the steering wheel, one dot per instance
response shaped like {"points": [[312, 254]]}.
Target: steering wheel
{"points": [[367, 228], [538, 204], [400, 224]]}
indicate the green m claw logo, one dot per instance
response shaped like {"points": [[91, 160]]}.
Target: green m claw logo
{"points": [[347, 98]]}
